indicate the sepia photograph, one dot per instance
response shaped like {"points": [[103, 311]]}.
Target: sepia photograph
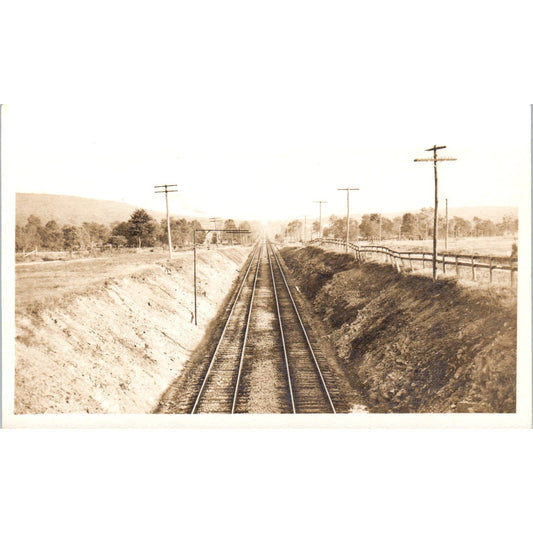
{"points": [[277, 244], [156, 276]]}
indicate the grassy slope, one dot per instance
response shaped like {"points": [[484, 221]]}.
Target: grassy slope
{"points": [[410, 345]]}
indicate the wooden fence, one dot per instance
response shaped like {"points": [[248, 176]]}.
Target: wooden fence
{"points": [[448, 263]]}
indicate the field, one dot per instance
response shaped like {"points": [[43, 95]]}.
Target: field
{"points": [[41, 281], [57, 276], [472, 268], [495, 246]]}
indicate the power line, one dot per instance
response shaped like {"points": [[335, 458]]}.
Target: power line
{"points": [[435, 160], [166, 191]]}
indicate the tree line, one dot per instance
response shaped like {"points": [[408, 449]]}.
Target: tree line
{"points": [[140, 230], [415, 226]]}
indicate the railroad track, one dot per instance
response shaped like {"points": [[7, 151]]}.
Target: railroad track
{"points": [[265, 359], [306, 379], [220, 385]]}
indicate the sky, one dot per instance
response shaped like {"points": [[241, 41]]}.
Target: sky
{"points": [[256, 110]]}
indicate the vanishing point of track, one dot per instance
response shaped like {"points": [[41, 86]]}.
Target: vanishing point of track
{"points": [[257, 355]]}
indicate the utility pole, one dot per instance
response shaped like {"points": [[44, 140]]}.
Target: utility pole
{"points": [[435, 160], [446, 234], [348, 189], [215, 219], [320, 202], [166, 191]]}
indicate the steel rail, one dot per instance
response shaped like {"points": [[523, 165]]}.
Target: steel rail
{"points": [[304, 331], [289, 379], [200, 392], [249, 314]]}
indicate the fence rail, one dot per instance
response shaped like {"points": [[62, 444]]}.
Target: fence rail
{"points": [[446, 261]]}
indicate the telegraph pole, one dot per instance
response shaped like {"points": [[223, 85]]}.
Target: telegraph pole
{"points": [[320, 202], [446, 234], [348, 189], [166, 191], [435, 160], [215, 219]]}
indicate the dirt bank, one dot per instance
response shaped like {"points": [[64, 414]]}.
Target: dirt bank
{"points": [[114, 345], [410, 345]]}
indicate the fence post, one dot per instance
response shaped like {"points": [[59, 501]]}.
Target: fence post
{"points": [[512, 272], [490, 270], [457, 266], [423, 260], [444, 263], [473, 269]]}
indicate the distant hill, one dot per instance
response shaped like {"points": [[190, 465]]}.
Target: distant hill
{"points": [[76, 210], [73, 209]]}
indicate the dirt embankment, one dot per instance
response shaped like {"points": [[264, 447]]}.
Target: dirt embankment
{"points": [[410, 345], [114, 346]]}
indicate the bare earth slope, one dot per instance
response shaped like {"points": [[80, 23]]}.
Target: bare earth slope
{"points": [[114, 343], [410, 345]]}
